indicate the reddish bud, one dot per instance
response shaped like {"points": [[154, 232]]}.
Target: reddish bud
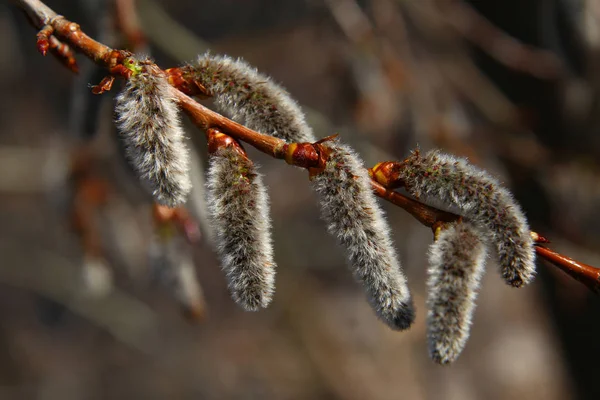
{"points": [[183, 79], [303, 155], [43, 39], [104, 86], [218, 140]]}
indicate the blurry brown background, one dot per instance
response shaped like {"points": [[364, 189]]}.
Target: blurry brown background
{"points": [[513, 85]]}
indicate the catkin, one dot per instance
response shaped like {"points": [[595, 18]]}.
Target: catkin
{"points": [[171, 266], [350, 209], [251, 98], [239, 213], [456, 264], [481, 199], [148, 120]]}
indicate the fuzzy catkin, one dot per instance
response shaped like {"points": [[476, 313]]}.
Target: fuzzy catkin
{"points": [[239, 213], [251, 98], [148, 120], [481, 199], [456, 265], [351, 211]]}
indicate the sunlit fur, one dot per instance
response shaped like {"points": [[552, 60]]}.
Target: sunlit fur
{"points": [[481, 199], [456, 264], [351, 211], [148, 120], [251, 98], [239, 213]]}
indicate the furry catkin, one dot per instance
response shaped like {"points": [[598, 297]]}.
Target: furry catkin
{"points": [[148, 120], [239, 213], [251, 98], [349, 207], [482, 199], [456, 264]]}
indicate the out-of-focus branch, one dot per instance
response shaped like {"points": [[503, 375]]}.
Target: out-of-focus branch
{"points": [[168, 35], [48, 274], [506, 50], [128, 23], [306, 155]]}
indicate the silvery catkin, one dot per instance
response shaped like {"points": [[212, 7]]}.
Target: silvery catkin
{"points": [[351, 211], [239, 213], [456, 264], [251, 98], [148, 120], [481, 199]]}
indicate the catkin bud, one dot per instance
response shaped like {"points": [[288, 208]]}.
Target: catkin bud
{"points": [[456, 264], [481, 199], [239, 213], [147, 117], [251, 98], [349, 207]]}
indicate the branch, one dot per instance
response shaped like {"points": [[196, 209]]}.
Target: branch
{"points": [[306, 155]]}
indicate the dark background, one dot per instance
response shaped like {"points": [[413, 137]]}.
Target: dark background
{"points": [[517, 94]]}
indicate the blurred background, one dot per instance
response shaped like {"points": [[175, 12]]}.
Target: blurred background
{"points": [[103, 296]]}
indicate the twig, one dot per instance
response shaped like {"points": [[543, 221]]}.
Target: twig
{"points": [[305, 155], [584, 273]]}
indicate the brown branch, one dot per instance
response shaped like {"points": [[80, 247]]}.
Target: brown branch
{"points": [[586, 274], [306, 155], [423, 213], [205, 119]]}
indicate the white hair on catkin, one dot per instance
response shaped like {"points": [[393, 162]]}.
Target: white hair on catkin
{"points": [[350, 209], [456, 265], [251, 98], [239, 213], [481, 199], [148, 120]]}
